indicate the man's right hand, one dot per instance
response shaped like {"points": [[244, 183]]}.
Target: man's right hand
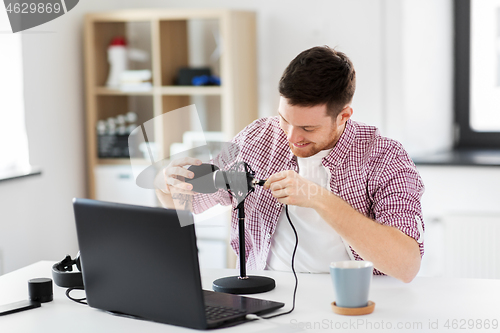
{"points": [[170, 182]]}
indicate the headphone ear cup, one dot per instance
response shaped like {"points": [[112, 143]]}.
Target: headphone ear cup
{"points": [[64, 277]]}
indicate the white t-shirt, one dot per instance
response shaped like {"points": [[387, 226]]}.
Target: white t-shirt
{"points": [[319, 243]]}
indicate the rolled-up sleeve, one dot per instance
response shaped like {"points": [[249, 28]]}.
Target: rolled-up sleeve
{"points": [[202, 202], [397, 197]]}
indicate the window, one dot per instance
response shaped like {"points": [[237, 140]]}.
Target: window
{"points": [[477, 73], [14, 158]]}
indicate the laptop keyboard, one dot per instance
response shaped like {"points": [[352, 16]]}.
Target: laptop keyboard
{"points": [[221, 312]]}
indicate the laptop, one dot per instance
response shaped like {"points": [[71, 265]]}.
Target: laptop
{"points": [[138, 261]]}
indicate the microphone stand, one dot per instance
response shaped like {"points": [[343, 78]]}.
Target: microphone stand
{"points": [[243, 284]]}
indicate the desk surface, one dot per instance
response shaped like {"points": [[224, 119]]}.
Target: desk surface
{"points": [[424, 305]]}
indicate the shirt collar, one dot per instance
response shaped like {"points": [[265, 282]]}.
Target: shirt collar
{"points": [[343, 146], [292, 159]]}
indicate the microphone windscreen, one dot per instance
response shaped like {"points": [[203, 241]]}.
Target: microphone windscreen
{"points": [[203, 180]]}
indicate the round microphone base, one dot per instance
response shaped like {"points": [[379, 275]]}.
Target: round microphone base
{"points": [[250, 285]]}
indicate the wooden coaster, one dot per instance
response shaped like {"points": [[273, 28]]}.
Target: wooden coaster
{"points": [[354, 311]]}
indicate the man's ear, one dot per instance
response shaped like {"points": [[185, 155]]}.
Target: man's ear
{"points": [[344, 115]]}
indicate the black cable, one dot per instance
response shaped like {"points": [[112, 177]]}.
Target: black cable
{"points": [[78, 300], [293, 268]]}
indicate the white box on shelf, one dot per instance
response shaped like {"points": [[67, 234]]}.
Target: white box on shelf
{"points": [[116, 183]]}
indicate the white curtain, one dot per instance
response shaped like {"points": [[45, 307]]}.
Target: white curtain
{"points": [[13, 139]]}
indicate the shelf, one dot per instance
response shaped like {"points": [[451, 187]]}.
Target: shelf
{"points": [[190, 90], [127, 15], [108, 91], [122, 161], [165, 90], [174, 39]]}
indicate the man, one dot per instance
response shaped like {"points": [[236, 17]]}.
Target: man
{"points": [[352, 194]]}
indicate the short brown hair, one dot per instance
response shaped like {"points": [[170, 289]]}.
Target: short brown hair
{"points": [[319, 75]]}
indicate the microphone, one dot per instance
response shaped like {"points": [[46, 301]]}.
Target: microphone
{"points": [[208, 178], [239, 181]]}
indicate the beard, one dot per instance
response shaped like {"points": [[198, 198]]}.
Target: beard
{"points": [[310, 150]]}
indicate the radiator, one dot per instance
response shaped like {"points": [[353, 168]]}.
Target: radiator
{"points": [[471, 246]]}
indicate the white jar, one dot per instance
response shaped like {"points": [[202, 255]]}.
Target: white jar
{"points": [[117, 58]]}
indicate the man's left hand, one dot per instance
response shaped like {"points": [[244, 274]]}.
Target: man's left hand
{"points": [[292, 189]]}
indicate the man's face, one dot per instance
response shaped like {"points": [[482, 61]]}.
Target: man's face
{"points": [[309, 129]]}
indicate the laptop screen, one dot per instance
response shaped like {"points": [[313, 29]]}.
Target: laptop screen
{"points": [[140, 261]]}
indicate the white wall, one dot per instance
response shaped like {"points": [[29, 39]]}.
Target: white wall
{"points": [[418, 77], [36, 217], [401, 51]]}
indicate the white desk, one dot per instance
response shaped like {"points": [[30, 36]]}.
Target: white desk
{"points": [[411, 307]]}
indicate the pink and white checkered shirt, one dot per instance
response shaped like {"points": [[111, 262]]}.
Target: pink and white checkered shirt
{"points": [[372, 173]]}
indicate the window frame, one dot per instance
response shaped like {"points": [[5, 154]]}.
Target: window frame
{"points": [[465, 136]]}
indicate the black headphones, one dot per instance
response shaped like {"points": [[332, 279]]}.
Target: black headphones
{"points": [[63, 275]]}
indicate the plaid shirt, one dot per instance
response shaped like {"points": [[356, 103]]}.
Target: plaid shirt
{"points": [[372, 173]]}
